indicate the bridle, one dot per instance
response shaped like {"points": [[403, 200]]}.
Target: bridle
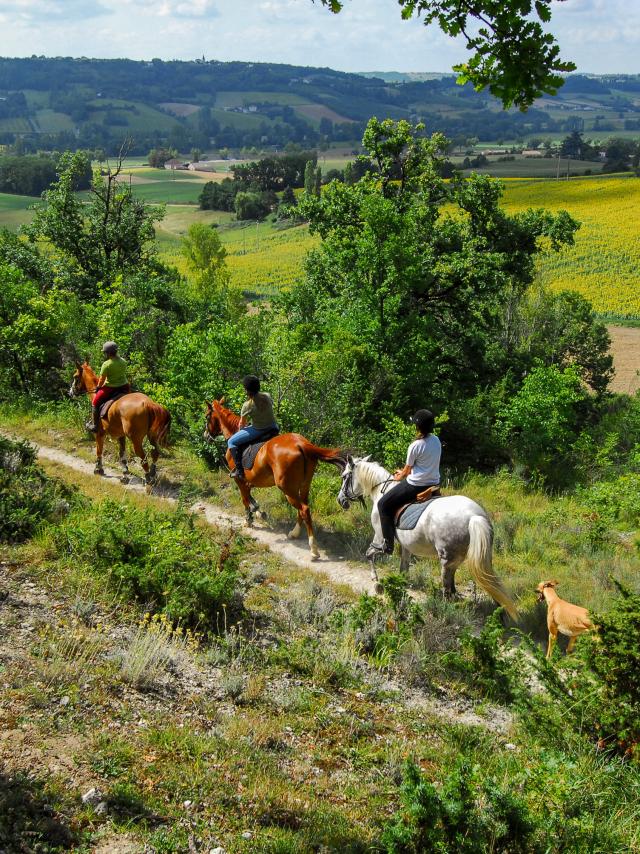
{"points": [[74, 386], [349, 493]]}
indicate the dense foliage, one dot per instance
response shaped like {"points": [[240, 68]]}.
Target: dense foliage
{"points": [[27, 496]]}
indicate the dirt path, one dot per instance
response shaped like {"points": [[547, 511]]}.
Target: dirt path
{"points": [[625, 349], [294, 551]]}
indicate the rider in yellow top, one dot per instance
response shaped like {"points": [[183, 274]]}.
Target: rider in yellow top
{"points": [[112, 381]]}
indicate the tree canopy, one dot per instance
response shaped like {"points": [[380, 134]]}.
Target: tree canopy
{"points": [[512, 54]]}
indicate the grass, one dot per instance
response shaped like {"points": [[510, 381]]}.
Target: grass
{"points": [[281, 734]]}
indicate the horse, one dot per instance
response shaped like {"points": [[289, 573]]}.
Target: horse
{"points": [[287, 461], [134, 417], [451, 529]]}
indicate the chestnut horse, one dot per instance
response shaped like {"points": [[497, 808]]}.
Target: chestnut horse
{"points": [[287, 461], [133, 417]]}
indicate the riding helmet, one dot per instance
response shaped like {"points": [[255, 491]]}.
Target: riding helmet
{"points": [[424, 421], [251, 384], [110, 348]]}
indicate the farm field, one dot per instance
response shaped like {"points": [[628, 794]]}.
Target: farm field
{"points": [[532, 167], [603, 265]]}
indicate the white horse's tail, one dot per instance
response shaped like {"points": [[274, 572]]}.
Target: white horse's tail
{"points": [[481, 564]]}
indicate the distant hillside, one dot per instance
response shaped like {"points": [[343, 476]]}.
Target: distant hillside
{"points": [[95, 103]]}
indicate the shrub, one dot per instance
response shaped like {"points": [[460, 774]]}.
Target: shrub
{"points": [[27, 496], [462, 816], [159, 559]]}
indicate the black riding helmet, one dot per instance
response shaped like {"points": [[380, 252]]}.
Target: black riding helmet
{"points": [[110, 348], [424, 421], [251, 384]]}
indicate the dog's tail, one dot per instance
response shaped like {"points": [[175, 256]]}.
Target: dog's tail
{"points": [[481, 564]]}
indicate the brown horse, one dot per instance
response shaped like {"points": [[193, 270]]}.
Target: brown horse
{"points": [[133, 417], [287, 461]]}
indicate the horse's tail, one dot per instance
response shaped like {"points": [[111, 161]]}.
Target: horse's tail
{"points": [[159, 424], [334, 456], [481, 564]]}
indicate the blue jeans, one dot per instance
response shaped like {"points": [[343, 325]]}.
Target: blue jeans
{"points": [[244, 437], [247, 436]]}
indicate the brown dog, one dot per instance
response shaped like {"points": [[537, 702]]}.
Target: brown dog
{"points": [[563, 617]]}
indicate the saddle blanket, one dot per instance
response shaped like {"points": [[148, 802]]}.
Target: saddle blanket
{"points": [[250, 453], [411, 514], [106, 406]]}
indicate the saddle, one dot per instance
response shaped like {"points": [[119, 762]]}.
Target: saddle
{"points": [[106, 406], [414, 510], [249, 452]]}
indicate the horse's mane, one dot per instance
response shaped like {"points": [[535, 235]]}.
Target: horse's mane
{"points": [[231, 418], [372, 473]]}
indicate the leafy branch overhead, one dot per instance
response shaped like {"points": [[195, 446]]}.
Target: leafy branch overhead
{"points": [[512, 54]]}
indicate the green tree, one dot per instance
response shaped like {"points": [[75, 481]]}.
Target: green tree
{"points": [[205, 256], [541, 422], [250, 206], [511, 52], [413, 277], [110, 234], [310, 178], [39, 334]]}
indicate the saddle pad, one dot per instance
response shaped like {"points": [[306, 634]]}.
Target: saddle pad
{"points": [[411, 514], [251, 451], [106, 406]]}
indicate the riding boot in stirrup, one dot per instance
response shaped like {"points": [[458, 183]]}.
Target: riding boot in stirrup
{"points": [[94, 425], [238, 471]]}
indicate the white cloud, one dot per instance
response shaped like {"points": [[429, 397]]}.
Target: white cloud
{"points": [[367, 35], [42, 11]]}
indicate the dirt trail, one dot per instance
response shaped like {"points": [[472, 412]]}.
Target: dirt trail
{"points": [[625, 349], [294, 551]]}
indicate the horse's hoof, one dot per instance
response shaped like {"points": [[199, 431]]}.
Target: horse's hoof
{"points": [[315, 556], [98, 470], [125, 479], [379, 589], [148, 488]]}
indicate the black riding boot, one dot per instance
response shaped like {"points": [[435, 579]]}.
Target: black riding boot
{"points": [[94, 425], [388, 535], [238, 471]]}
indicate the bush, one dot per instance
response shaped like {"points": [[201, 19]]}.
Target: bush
{"points": [[159, 559], [462, 816], [27, 496]]}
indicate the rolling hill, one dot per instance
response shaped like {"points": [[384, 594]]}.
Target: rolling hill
{"points": [[70, 103]]}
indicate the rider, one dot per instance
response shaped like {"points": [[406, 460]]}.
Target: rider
{"points": [[421, 471], [256, 420], [112, 381]]}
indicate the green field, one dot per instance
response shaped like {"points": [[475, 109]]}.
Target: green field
{"points": [[603, 265], [532, 167], [48, 121], [138, 117]]}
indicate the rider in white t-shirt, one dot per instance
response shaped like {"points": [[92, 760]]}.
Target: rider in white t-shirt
{"points": [[422, 470]]}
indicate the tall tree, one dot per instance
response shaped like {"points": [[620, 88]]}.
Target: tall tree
{"points": [[111, 233], [512, 54], [410, 287]]}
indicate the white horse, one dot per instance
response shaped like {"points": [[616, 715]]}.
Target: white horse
{"points": [[451, 528]]}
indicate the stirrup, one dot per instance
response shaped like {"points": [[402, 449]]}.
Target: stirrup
{"points": [[91, 427], [376, 550], [237, 473]]}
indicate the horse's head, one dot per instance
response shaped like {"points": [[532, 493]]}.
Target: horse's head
{"points": [[351, 489], [213, 421], [78, 381]]}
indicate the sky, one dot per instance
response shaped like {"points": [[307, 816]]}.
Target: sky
{"points": [[368, 35]]}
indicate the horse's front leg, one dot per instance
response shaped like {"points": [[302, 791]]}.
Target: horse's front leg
{"points": [[99, 468], [122, 447], [374, 575]]}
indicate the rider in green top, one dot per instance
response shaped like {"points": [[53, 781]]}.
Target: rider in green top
{"points": [[112, 381]]}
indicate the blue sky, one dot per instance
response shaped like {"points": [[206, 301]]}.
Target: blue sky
{"points": [[599, 35]]}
